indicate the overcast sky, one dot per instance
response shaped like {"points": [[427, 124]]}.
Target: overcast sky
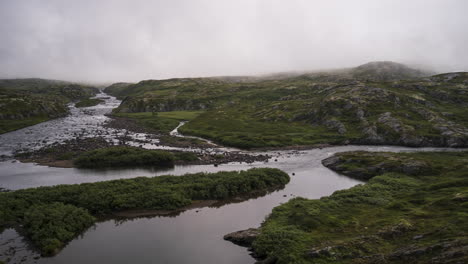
{"points": [[110, 41]]}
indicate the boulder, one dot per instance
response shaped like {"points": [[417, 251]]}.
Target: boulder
{"points": [[243, 238]]}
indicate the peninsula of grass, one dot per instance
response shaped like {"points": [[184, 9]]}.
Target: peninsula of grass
{"points": [[413, 209], [52, 216], [89, 102], [15, 124]]}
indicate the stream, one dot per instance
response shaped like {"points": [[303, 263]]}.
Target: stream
{"points": [[193, 236]]}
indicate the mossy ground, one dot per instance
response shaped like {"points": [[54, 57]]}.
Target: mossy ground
{"points": [[394, 218]]}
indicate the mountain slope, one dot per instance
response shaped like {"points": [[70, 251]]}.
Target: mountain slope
{"points": [[386, 71]]}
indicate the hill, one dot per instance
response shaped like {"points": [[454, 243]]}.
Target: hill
{"points": [[340, 107], [386, 71], [25, 102]]}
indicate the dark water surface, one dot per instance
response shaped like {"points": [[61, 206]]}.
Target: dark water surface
{"points": [[194, 236]]}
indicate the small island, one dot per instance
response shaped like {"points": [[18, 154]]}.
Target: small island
{"points": [[89, 102]]}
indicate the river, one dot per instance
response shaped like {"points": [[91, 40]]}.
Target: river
{"points": [[193, 236]]}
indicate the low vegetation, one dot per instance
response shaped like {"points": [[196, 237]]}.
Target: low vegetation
{"points": [[89, 102], [52, 216], [413, 209], [125, 157]]}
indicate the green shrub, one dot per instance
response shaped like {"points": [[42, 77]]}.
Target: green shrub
{"points": [[49, 226]]}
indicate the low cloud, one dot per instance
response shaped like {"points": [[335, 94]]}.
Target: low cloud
{"points": [[110, 41]]}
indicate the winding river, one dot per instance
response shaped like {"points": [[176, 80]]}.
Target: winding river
{"points": [[193, 236]]}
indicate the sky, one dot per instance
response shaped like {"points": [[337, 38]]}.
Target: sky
{"points": [[117, 40]]}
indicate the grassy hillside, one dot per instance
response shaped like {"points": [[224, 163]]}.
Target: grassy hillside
{"points": [[376, 103], [25, 102], [117, 89], [413, 209]]}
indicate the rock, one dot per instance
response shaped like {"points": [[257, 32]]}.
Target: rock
{"points": [[321, 252], [445, 252], [460, 197], [387, 119], [414, 167], [331, 162], [336, 125], [243, 238], [395, 231], [371, 136]]}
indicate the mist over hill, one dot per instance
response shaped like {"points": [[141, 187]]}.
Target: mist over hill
{"points": [[375, 103]]}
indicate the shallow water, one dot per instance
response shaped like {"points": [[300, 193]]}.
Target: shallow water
{"points": [[194, 236]]}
